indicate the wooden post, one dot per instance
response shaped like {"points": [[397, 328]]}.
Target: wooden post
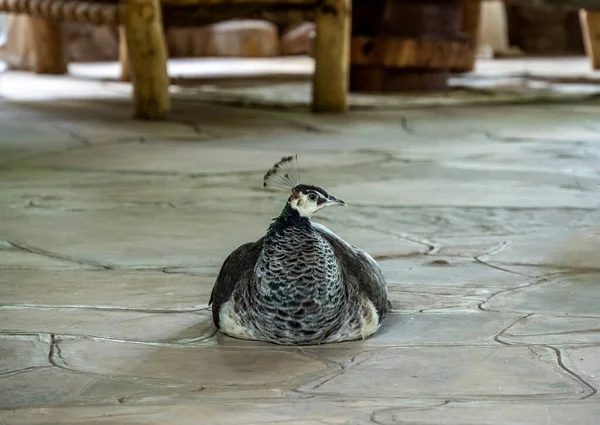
{"points": [[332, 56], [48, 54], [470, 26], [142, 23], [124, 56], [590, 26]]}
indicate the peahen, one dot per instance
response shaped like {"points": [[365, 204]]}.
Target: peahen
{"points": [[300, 283]]}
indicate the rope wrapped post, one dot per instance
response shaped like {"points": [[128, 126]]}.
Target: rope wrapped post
{"points": [[147, 52], [590, 26], [332, 56], [48, 53]]}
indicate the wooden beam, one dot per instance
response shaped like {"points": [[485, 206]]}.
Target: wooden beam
{"points": [[332, 56], [590, 27], [147, 52], [48, 53]]}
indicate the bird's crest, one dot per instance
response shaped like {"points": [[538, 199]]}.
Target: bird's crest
{"points": [[284, 174]]}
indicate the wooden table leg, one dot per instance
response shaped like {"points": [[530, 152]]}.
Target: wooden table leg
{"points": [[332, 56], [147, 51], [48, 53], [590, 26]]}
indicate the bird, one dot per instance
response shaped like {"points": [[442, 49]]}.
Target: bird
{"points": [[300, 283]]}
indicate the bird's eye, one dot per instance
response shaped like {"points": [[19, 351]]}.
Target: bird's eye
{"points": [[312, 197]]}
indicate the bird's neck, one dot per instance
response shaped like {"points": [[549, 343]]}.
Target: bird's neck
{"points": [[288, 217]]}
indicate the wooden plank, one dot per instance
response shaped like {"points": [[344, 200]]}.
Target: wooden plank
{"points": [[142, 23], [48, 53], [590, 27], [332, 56], [411, 53]]}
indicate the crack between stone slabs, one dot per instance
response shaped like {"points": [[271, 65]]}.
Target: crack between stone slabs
{"points": [[566, 271], [38, 251], [55, 153], [498, 336], [343, 367], [299, 124], [574, 332], [194, 309], [55, 350], [319, 383], [542, 397], [513, 139], [559, 360], [137, 172], [537, 281], [573, 374], [248, 173], [444, 310], [54, 353], [405, 125], [34, 204], [169, 270], [23, 370], [73, 134], [493, 251], [165, 344], [424, 242], [373, 419], [194, 126]]}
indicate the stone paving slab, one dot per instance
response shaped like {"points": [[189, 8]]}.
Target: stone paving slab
{"points": [[484, 413], [23, 351], [568, 294], [141, 290], [177, 327], [477, 373], [212, 366], [484, 220], [555, 330]]}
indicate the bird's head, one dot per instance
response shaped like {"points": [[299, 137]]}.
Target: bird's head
{"points": [[307, 200]]}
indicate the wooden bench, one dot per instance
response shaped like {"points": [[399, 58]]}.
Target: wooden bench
{"points": [[144, 53]]}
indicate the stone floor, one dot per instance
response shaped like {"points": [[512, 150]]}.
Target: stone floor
{"points": [[485, 220]]}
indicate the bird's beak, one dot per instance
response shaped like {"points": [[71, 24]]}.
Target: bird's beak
{"points": [[332, 200]]}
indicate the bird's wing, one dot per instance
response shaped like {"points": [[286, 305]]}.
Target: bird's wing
{"points": [[360, 268], [237, 269]]}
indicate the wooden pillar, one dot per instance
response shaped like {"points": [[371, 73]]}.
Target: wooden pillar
{"points": [[470, 26], [590, 26], [124, 56], [147, 52], [46, 41], [332, 56]]}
